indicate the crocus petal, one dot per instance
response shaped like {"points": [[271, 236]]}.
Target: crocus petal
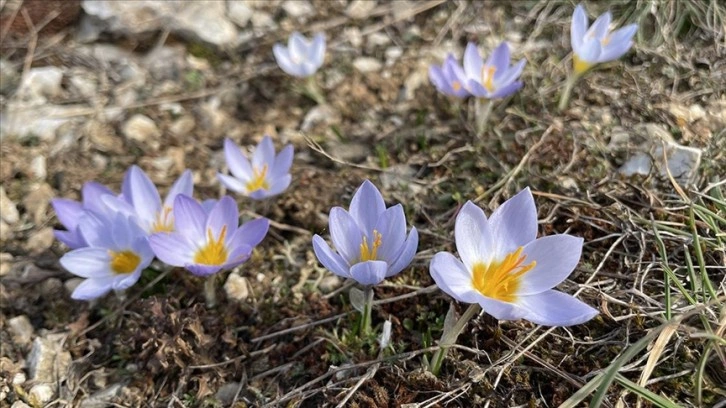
{"points": [[473, 62], [455, 75], [507, 90], [203, 270], [369, 272], [190, 219], [238, 164], [250, 233], [224, 214], [317, 53], [453, 278], [511, 74], [283, 162], [406, 255], [71, 239], [183, 185], [92, 193], [500, 60], [120, 232], [556, 257], [473, 236], [123, 282], [477, 89], [232, 183], [92, 288], [67, 211], [620, 42], [345, 234], [514, 223], [600, 27], [238, 255], [590, 51], [332, 261], [93, 228], [502, 310], [264, 154], [436, 75], [278, 186], [282, 56], [298, 47], [140, 191], [87, 262], [392, 227], [366, 206], [553, 308], [578, 28], [172, 248]]}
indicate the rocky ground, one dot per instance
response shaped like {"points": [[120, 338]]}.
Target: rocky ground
{"points": [[635, 165]]}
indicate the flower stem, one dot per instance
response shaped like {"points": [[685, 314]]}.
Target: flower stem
{"points": [[449, 338], [365, 322], [483, 111], [210, 291], [312, 91], [565, 97]]}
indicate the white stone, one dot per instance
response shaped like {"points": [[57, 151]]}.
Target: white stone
{"points": [[298, 8], [72, 283], [367, 64], [85, 84], [21, 329], [21, 120], [378, 39], [38, 84], [19, 378], [261, 19], [360, 9], [182, 126], [8, 210], [393, 54], [319, 114], [239, 12], [40, 394], [48, 361], [19, 404], [140, 128], [38, 167], [354, 36], [682, 162], [236, 287], [329, 283], [206, 20]]}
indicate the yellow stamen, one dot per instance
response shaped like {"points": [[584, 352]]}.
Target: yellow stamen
{"points": [[501, 279], [605, 41], [370, 254], [259, 180], [124, 262], [487, 77], [164, 221], [214, 253], [456, 85], [579, 65]]}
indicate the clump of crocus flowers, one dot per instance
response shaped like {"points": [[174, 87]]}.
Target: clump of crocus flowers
{"points": [[302, 58]]}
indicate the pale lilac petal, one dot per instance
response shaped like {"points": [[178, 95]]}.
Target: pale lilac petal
{"points": [[92, 193], [392, 227], [590, 51], [369, 272], [123, 282], [453, 278], [578, 28], [345, 234], [264, 154], [600, 27], [506, 90], [278, 186], [190, 219], [250, 233], [284, 60], [407, 253], [474, 240], [455, 77], [283, 162], [473, 62], [317, 54], [224, 214], [232, 183], [172, 248], [238, 255], [477, 89], [92, 288], [67, 211], [208, 204], [500, 60], [298, 46], [237, 163], [620, 42], [94, 230], [183, 185], [71, 239], [553, 308], [203, 270], [332, 261], [514, 223], [511, 74], [556, 257], [87, 262], [121, 233], [502, 310], [258, 194], [436, 76], [140, 191], [366, 206]]}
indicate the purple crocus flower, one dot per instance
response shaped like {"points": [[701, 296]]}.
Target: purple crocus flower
{"points": [[140, 198], [449, 78], [506, 270], [266, 176], [71, 212], [207, 242], [117, 252], [495, 78], [597, 44], [301, 58], [370, 240]]}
